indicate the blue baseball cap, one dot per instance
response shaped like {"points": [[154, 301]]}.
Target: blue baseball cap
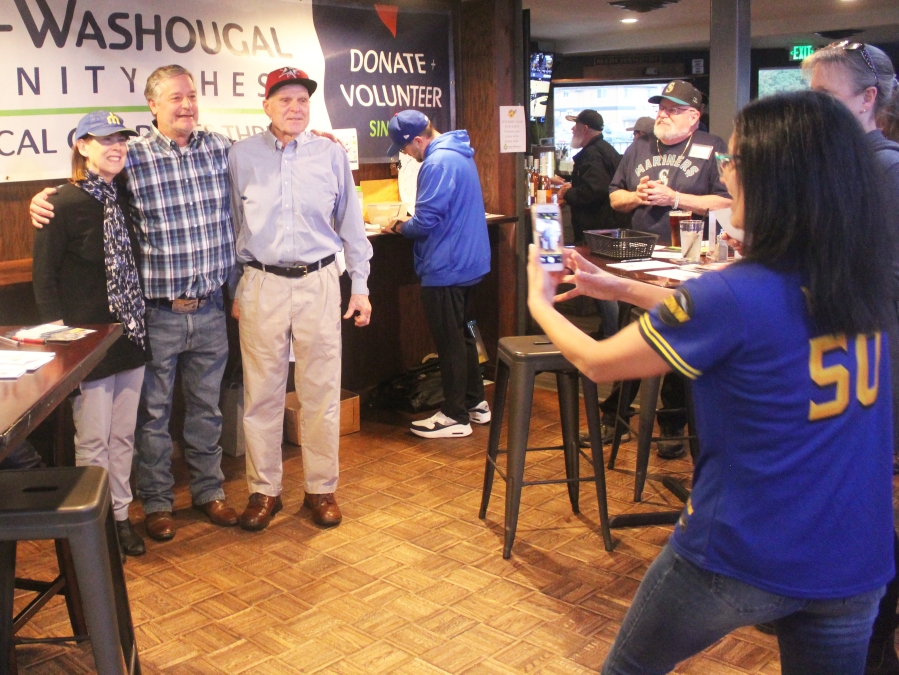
{"points": [[102, 123], [405, 126]]}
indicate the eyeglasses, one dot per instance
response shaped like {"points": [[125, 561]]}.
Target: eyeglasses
{"points": [[861, 48], [673, 111], [724, 160]]}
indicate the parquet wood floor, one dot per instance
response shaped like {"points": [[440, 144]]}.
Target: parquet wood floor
{"points": [[412, 582]]}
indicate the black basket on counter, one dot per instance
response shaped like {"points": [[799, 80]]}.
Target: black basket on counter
{"points": [[621, 244]]}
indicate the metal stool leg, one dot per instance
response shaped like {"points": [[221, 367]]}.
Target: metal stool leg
{"points": [[123, 607], [567, 386], [649, 394], [591, 403], [90, 552], [7, 593], [496, 425], [624, 394], [520, 400], [74, 602]]}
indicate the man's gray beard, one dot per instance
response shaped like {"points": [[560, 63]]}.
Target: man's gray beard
{"points": [[668, 136]]}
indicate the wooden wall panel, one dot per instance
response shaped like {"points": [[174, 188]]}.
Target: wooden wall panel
{"points": [[486, 75]]}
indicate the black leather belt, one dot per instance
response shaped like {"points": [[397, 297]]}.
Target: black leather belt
{"points": [[179, 305], [294, 271]]}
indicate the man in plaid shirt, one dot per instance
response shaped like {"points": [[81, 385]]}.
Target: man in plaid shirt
{"points": [[178, 179]]}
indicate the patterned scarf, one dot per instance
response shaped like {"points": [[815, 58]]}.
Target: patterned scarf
{"points": [[126, 301]]}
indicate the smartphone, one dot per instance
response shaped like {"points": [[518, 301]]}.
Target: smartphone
{"points": [[547, 224]]}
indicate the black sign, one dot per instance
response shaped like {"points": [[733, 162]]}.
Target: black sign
{"points": [[380, 59]]}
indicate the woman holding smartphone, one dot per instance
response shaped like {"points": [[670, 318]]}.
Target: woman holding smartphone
{"points": [[85, 272], [791, 371]]}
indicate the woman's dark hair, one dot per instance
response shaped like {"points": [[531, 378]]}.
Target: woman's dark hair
{"points": [[812, 204]]}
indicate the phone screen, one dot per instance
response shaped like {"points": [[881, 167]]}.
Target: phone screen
{"points": [[548, 237]]}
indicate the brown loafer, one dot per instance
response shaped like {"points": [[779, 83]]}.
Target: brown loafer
{"points": [[259, 512], [160, 525], [325, 511], [218, 512]]}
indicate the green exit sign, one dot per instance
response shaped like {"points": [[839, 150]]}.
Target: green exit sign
{"points": [[800, 52]]}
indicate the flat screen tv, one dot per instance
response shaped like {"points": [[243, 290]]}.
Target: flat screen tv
{"points": [[541, 74], [778, 80]]}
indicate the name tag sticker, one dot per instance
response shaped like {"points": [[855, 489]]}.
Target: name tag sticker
{"points": [[700, 151]]}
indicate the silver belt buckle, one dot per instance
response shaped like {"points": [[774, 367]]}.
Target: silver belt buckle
{"points": [[185, 305]]}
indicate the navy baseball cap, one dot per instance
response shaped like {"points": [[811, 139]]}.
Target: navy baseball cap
{"points": [[403, 127], [589, 118], [102, 123], [682, 93]]}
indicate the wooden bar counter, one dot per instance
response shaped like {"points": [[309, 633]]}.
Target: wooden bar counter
{"points": [[397, 337]]}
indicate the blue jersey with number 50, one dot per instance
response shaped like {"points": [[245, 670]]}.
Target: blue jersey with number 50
{"points": [[792, 490]]}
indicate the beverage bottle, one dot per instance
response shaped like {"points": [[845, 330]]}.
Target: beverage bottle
{"points": [[531, 183]]}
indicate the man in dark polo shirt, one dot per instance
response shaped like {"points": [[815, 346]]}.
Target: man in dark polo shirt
{"points": [[588, 192]]}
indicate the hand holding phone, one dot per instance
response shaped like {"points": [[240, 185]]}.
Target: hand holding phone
{"points": [[546, 220]]}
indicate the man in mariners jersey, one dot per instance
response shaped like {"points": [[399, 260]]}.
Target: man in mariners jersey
{"points": [[673, 168]]}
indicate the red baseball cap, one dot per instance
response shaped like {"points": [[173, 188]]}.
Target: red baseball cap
{"points": [[283, 76]]}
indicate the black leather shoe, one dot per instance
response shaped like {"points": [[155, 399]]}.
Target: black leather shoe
{"points": [[130, 542]]}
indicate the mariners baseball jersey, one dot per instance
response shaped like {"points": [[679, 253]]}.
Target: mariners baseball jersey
{"points": [[688, 167], [792, 490]]}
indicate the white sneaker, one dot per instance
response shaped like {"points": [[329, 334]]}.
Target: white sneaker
{"points": [[440, 426], [480, 414]]}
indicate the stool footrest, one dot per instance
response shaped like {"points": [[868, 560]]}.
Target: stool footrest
{"points": [[45, 590], [643, 519], [51, 640], [556, 481]]}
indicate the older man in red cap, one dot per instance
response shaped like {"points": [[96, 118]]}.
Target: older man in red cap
{"points": [[294, 208]]}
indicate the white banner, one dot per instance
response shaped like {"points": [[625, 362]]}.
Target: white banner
{"points": [[64, 58]]}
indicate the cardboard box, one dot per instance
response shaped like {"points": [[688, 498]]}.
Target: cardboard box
{"points": [[349, 415]]}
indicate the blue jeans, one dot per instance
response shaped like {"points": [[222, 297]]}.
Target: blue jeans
{"points": [[681, 609], [197, 345]]}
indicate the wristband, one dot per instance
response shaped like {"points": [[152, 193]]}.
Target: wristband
{"points": [[676, 199]]}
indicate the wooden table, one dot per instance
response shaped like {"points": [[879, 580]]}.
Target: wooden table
{"points": [[27, 401]]}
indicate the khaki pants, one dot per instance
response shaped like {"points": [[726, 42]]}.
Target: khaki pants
{"points": [[273, 311]]}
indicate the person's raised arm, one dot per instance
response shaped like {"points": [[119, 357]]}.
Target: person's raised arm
{"points": [[624, 356], [41, 210], [590, 280]]}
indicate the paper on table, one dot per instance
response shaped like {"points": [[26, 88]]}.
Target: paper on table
{"points": [[39, 332], [11, 372], [678, 274], [666, 255], [25, 360], [641, 265]]}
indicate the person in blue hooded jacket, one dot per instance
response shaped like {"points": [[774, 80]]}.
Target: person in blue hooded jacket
{"points": [[452, 254]]}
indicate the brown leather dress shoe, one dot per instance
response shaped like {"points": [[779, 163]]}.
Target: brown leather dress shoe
{"points": [[218, 512], [259, 512], [325, 511], [160, 525]]}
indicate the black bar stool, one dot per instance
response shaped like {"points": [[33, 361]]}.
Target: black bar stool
{"points": [[519, 361], [70, 503], [649, 395]]}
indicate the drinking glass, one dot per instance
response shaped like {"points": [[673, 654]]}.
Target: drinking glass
{"points": [[691, 239]]}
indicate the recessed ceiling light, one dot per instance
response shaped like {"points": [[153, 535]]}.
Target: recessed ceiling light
{"points": [[628, 21]]}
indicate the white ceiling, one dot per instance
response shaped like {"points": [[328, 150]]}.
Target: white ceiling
{"points": [[581, 26]]}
